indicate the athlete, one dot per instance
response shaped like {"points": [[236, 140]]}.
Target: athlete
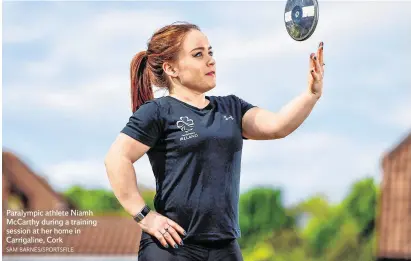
{"points": [[194, 144]]}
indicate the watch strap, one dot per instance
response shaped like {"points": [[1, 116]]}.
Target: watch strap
{"points": [[142, 214]]}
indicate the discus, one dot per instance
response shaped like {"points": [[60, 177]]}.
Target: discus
{"points": [[301, 18]]}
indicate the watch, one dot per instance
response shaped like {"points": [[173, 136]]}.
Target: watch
{"points": [[142, 214]]}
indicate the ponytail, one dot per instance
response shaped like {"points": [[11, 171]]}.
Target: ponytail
{"points": [[141, 89]]}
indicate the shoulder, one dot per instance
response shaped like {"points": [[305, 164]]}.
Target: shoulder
{"points": [[147, 109], [230, 99], [160, 101], [234, 102], [155, 106], [226, 99]]}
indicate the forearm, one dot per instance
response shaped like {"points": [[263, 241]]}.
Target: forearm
{"points": [[293, 114], [122, 177]]}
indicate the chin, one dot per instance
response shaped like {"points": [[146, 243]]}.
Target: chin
{"points": [[209, 88], [203, 86]]}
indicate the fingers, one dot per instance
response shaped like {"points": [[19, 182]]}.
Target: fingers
{"points": [[312, 61], [173, 237], [317, 63], [315, 67], [316, 76], [161, 238], [169, 238], [165, 238], [177, 227], [168, 235], [321, 54], [164, 229]]}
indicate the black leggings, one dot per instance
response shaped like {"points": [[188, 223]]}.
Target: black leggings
{"points": [[152, 250]]}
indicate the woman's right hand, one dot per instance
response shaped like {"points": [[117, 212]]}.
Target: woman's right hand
{"points": [[164, 229]]}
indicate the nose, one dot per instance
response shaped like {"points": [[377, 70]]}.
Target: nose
{"points": [[211, 61]]}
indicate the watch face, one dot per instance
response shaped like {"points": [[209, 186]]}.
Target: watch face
{"points": [[140, 216], [143, 213], [301, 18]]}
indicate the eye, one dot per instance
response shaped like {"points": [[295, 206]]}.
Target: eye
{"points": [[199, 54]]}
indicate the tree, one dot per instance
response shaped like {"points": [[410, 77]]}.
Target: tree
{"points": [[97, 200], [361, 205], [261, 213]]}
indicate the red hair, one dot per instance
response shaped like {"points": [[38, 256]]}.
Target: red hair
{"points": [[146, 68]]}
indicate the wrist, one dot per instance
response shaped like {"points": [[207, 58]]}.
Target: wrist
{"points": [[144, 211], [313, 95], [136, 205]]}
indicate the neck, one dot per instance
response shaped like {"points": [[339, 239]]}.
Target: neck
{"points": [[189, 96]]}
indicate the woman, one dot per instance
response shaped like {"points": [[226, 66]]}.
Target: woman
{"points": [[194, 145]]}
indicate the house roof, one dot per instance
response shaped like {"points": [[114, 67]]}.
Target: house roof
{"points": [[111, 235], [394, 219], [404, 143], [114, 235]]}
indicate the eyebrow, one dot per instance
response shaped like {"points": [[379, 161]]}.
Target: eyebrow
{"points": [[201, 48]]}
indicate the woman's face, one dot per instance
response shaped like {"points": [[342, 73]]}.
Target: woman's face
{"points": [[195, 67]]}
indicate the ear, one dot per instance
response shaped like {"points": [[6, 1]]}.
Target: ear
{"points": [[170, 69]]}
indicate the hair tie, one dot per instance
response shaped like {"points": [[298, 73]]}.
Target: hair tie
{"points": [[145, 54]]}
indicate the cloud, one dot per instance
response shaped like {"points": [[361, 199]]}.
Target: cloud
{"points": [[99, 40], [83, 71], [306, 163], [83, 99], [87, 66], [91, 173], [95, 51], [268, 37], [22, 26], [268, 60], [399, 115]]}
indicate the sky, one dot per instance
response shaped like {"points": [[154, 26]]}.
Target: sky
{"points": [[66, 86]]}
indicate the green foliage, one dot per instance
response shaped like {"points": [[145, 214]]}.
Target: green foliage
{"points": [[361, 203], [321, 236], [342, 232], [272, 232], [148, 196], [261, 213], [316, 206], [101, 201], [97, 200], [263, 252]]}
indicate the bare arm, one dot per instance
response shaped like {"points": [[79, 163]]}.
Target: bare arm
{"points": [[260, 124], [120, 170], [119, 165]]}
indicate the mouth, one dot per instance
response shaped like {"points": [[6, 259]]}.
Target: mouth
{"points": [[212, 73]]}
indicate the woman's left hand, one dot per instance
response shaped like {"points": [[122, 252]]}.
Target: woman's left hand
{"points": [[316, 74]]}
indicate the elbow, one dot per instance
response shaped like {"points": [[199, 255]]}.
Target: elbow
{"points": [[111, 156], [278, 130], [283, 128], [280, 135], [107, 160], [284, 132]]}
